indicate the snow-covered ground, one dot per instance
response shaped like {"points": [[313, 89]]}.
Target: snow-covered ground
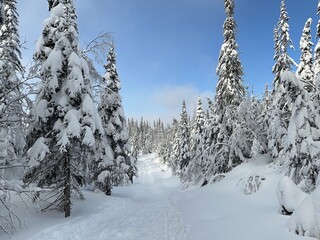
{"points": [[155, 208]]}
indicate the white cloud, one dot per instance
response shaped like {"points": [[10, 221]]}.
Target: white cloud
{"points": [[169, 99]]}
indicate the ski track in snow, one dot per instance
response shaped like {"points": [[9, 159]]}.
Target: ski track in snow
{"points": [[142, 211]]}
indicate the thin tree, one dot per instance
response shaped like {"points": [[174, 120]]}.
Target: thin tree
{"points": [[115, 128]]}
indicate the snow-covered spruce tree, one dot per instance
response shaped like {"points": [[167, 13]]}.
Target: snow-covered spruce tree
{"points": [[134, 138], [184, 153], [61, 138], [174, 162], [114, 123], [316, 64], [11, 113], [246, 129], [305, 68], [283, 61], [210, 136], [302, 143], [1, 12], [195, 167], [280, 110], [263, 120], [229, 92]]}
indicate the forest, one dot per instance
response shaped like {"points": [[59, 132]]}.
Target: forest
{"points": [[64, 134]]}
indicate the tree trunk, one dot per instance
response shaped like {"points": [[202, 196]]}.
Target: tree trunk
{"points": [[67, 185]]}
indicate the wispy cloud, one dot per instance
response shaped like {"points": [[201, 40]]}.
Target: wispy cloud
{"points": [[166, 102]]}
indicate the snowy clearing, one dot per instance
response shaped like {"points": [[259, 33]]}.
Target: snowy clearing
{"points": [[155, 208]]}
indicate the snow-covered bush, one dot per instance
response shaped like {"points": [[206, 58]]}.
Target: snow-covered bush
{"points": [[251, 183], [302, 221], [305, 220], [289, 195]]}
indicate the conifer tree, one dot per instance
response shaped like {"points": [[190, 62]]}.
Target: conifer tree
{"points": [[115, 127], [305, 68], [316, 64], [302, 143], [184, 157], [229, 92], [197, 141], [280, 110], [61, 138], [11, 113], [283, 61], [175, 153], [1, 12], [263, 120]]}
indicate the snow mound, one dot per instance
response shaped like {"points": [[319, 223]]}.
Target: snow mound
{"points": [[289, 195], [305, 220]]}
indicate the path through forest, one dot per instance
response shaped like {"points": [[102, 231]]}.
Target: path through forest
{"points": [[140, 211]]}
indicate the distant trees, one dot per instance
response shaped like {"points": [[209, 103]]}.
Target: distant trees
{"points": [[239, 128]]}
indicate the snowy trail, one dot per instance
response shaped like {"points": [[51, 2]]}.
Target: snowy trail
{"points": [[141, 211]]}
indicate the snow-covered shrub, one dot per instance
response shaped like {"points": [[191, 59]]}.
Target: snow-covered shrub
{"points": [[251, 183], [302, 221], [289, 195], [305, 220]]}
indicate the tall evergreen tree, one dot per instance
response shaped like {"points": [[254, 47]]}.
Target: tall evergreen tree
{"points": [[11, 113], [280, 110], [229, 91], [61, 138], [305, 68], [283, 61], [115, 127]]}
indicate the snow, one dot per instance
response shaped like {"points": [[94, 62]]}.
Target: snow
{"points": [[303, 220], [306, 219], [38, 152], [289, 195], [42, 110], [155, 208]]}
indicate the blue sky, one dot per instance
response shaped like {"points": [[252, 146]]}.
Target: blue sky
{"points": [[167, 50]]}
